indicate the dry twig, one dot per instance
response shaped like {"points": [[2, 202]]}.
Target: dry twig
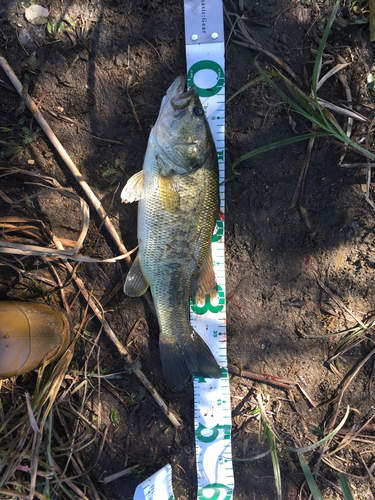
{"points": [[262, 377]]}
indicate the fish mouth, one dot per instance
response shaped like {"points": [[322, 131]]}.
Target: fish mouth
{"points": [[176, 95], [180, 102]]}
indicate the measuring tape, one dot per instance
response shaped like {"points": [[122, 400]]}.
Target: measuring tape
{"points": [[156, 487], [204, 38]]}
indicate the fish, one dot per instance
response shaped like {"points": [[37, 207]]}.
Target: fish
{"points": [[178, 204]]}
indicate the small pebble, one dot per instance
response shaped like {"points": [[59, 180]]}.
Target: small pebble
{"points": [[31, 162]]}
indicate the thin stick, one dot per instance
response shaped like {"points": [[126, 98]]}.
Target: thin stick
{"points": [[368, 470], [346, 385], [331, 72], [248, 41], [358, 165], [346, 440], [262, 377], [64, 155], [135, 116], [132, 331], [337, 300], [303, 174]]}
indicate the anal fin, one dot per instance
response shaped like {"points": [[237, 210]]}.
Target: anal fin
{"points": [[135, 284], [133, 190], [205, 283]]}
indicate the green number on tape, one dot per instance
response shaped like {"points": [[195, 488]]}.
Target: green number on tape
{"points": [[220, 231], [220, 492], [214, 433], [202, 379], [207, 306]]}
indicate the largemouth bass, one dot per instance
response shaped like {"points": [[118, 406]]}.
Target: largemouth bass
{"points": [[178, 194]]}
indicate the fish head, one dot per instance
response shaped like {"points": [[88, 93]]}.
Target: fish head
{"points": [[181, 130]]}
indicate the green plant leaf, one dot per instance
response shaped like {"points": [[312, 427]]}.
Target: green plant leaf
{"points": [[343, 482], [12, 150], [371, 5], [275, 460], [360, 21], [310, 479], [52, 28], [27, 140], [324, 440], [115, 417], [319, 55], [70, 21], [108, 172], [279, 91], [255, 457], [253, 82], [278, 144]]}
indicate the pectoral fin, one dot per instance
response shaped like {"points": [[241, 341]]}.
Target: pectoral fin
{"points": [[169, 196], [133, 190], [205, 283], [135, 284]]}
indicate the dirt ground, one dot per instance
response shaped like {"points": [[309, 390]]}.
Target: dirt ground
{"points": [[107, 72]]}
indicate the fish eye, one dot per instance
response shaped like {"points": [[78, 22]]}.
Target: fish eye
{"points": [[198, 111]]}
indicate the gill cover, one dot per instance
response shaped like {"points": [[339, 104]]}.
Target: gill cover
{"points": [[181, 131]]}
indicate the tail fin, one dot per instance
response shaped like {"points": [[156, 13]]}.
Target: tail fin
{"points": [[182, 358]]}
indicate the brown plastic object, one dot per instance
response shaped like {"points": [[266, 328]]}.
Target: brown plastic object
{"points": [[29, 331]]}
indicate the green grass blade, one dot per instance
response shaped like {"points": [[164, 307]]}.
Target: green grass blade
{"points": [[304, 100], [324, 440], [282, 94], [358, 148], [371, 5], [346, 342], [275, 460], [305, 111], [310, 479], [278, 144], [253, 82], [343, 482], [255, 457], [321, 48], [330, 125], [318, 60]]}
